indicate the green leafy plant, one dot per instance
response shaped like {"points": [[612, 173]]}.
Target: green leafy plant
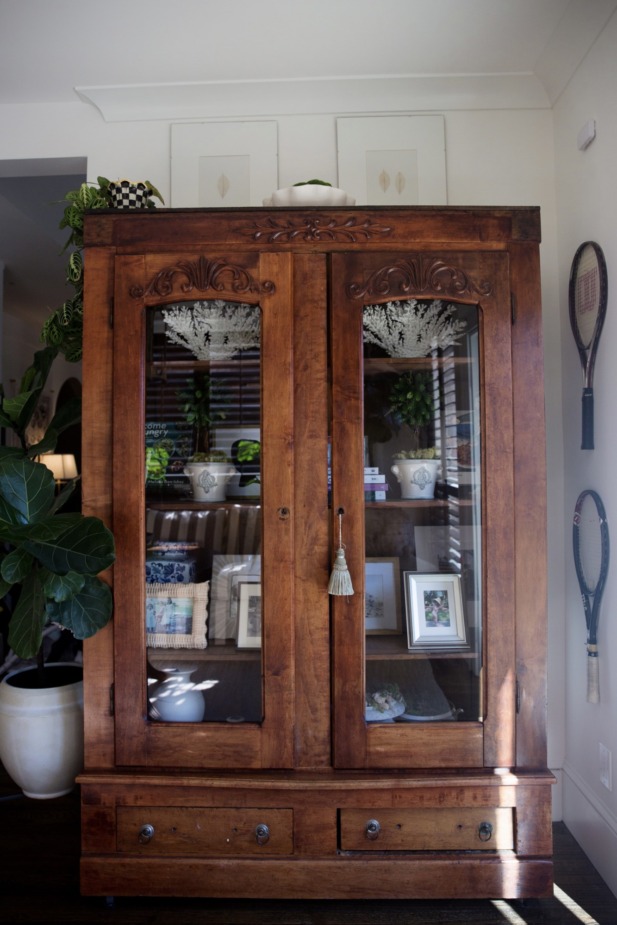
{"points": [[313, 183], [411, 403], [212, 456], [246, 454], [201, 405], [157, 459], [64, 327], [52, 559]]}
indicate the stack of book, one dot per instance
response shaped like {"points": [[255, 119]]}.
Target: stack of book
{"points": [[375, 485]]}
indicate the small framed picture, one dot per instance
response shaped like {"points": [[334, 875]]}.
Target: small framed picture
{"points": [[249, 615], [234, 597], [382, 596], [177, 615], [434, 611]]}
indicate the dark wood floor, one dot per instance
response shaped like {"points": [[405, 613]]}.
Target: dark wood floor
{"points": [[39, 883]]}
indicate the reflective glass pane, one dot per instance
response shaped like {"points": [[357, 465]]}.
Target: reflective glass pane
{"points": [[203, 512], [423, 489]]}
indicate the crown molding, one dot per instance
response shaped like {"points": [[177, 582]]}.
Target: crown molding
{"points": [[261, 98]]}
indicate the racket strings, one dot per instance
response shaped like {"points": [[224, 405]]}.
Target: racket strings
{"points": [[587, 295], [590, 549]]}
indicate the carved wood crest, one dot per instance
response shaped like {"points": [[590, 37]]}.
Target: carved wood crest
{"points": [[318, 228], [201, 275], [416, 274]]}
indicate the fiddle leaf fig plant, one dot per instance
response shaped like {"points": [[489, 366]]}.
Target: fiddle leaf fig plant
{"points": [[52, 559]]}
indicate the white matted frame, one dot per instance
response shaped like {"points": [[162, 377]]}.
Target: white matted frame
{"points": [[392, 160], [226, 164], [434, 607], [382, 596], [177, 615], [249, 615]]}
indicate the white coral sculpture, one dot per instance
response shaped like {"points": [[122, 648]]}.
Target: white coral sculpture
{"points": [[412, 328], [215, 330]]}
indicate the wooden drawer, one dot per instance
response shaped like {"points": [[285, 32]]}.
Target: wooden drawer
{"points": [[198, 832], [467, 829]]}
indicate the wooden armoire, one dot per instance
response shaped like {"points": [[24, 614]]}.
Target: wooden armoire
{"points": [[249, 733]]}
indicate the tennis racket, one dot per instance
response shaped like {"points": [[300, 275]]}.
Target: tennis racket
{"points": [[587, 297], [591, 557]]}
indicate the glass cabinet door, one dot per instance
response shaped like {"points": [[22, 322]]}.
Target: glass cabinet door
{"points": [[418, 512], [198, 418], [423, 511], [203, 515]]}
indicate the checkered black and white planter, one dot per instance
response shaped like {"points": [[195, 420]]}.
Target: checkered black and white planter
{"points": [[127, 195]]}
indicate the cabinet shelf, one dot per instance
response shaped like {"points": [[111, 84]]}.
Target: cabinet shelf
{"points": [[376, 365], [190, 505], [393, 648], [213, 653]]}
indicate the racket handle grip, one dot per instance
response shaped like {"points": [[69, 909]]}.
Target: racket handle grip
{"points": [[587, 443], [593, 679]]}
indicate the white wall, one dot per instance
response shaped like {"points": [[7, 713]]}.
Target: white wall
{"points": [[586, 194], [494, 157]]}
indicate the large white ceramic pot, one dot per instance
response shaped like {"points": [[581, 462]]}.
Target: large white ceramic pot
{"points": [[42, 729], [209, 480], [416, 477]]}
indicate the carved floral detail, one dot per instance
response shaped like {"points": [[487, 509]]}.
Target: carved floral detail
{"points": [[320, 228], [202, 274], [416, 274]]}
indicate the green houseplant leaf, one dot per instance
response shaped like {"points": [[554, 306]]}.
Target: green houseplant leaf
{"points": [[51, 558]]}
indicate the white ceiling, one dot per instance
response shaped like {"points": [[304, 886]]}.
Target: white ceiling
{"points": [[55, 51], [50, 47]]}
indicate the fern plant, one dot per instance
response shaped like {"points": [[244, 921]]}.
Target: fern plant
{"points": [[64, 327]]}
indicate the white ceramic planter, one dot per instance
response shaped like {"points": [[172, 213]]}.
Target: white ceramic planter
{"points": [[42, 732], [416, 477], [209, 480]]}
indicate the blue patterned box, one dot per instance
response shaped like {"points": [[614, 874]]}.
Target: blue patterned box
{"points": [[170, 562]]}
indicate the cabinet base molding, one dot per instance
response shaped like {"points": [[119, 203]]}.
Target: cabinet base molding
{"points": [[318, 836], [418, 878]]}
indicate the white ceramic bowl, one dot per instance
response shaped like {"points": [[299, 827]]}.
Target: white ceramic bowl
{"points": [[311, 194]]}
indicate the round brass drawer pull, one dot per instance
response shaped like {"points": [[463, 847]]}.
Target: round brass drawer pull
{"points": [[262, 834], [485, 831], [372, 829], [146, 834]]}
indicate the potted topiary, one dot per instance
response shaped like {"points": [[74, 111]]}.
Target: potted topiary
{"points": [[49, 563], [411, 404], [209, 469]]}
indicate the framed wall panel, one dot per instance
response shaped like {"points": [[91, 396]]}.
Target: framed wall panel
{"points": [[216, 164], [392, 160]]}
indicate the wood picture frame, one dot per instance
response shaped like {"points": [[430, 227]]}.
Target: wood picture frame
{"points": [[434, 609], [249, 615], [382, 596]]}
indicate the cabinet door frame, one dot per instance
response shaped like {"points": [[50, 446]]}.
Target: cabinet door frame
{"points": [[480, 278], [142, 281]]}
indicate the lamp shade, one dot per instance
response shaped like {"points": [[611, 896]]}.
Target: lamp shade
{"points": [[62, 465]]}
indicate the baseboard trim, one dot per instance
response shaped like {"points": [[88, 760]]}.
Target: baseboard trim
{"points": [[591, 823]]}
